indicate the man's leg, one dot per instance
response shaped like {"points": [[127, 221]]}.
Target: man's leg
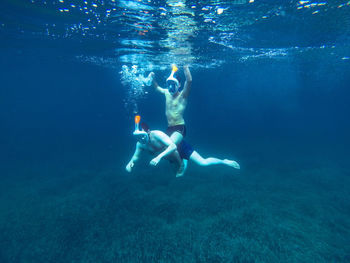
{"points": [[182, 169], [182, 163], [195, 157], [176, 137]]}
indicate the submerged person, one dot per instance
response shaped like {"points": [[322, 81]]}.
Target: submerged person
{"points": [[175, 103], [157, 141]]}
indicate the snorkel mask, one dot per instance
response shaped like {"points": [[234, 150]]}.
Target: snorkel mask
{"points": [[172, 83], [141, 136]]}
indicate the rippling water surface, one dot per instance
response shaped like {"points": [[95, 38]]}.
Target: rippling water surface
{"points": [[205, 34]]}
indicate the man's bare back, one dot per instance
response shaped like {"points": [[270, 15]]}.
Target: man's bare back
{"points": [[159, 141]]}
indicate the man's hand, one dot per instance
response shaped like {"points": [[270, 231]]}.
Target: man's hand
{"points": [[151, 77], [154, 161], [129, 166]]}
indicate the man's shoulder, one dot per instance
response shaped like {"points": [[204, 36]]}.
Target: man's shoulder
{"points": [[167, 93], [140, 146]]}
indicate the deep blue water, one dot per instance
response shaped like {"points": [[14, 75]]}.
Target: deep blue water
{"points": [[272, 95]]}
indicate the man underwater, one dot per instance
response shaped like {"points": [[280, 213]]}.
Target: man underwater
{"points": [[175, 101], [156, 141]]}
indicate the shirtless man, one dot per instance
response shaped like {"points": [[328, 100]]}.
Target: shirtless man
{"points": [[154, 142], [157, 141], [175, 101]]}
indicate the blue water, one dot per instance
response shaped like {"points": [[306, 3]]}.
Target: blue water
{"points": [[270, 90]]}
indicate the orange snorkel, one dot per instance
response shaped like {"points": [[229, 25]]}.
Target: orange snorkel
{"points": [[142, 136], [174, 68], [173, 71], [172, 82], [137, 122]]}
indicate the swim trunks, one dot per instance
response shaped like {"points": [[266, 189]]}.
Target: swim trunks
{"points": [[185, 150], [176, 128]]}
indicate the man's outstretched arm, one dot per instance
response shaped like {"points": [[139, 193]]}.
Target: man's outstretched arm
{"points": [[134, 158], [155, 84], [166, 141], [188, 82]]}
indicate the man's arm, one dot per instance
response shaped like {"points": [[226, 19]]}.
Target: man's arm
{"points": [[134, 158], [155, 84], [165, 140], [188, 82]]}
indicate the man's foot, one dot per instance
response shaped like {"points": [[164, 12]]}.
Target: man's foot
{"points": [[233, 164], [182, 169]]}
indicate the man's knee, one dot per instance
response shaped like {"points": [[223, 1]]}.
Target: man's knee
{"points": [[176, 137], [205, 162]]}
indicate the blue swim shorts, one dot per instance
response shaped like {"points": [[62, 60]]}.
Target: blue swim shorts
{"points": [[185, 150]]}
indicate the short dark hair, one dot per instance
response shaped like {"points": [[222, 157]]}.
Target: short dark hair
{"points": [[144, 126]]}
